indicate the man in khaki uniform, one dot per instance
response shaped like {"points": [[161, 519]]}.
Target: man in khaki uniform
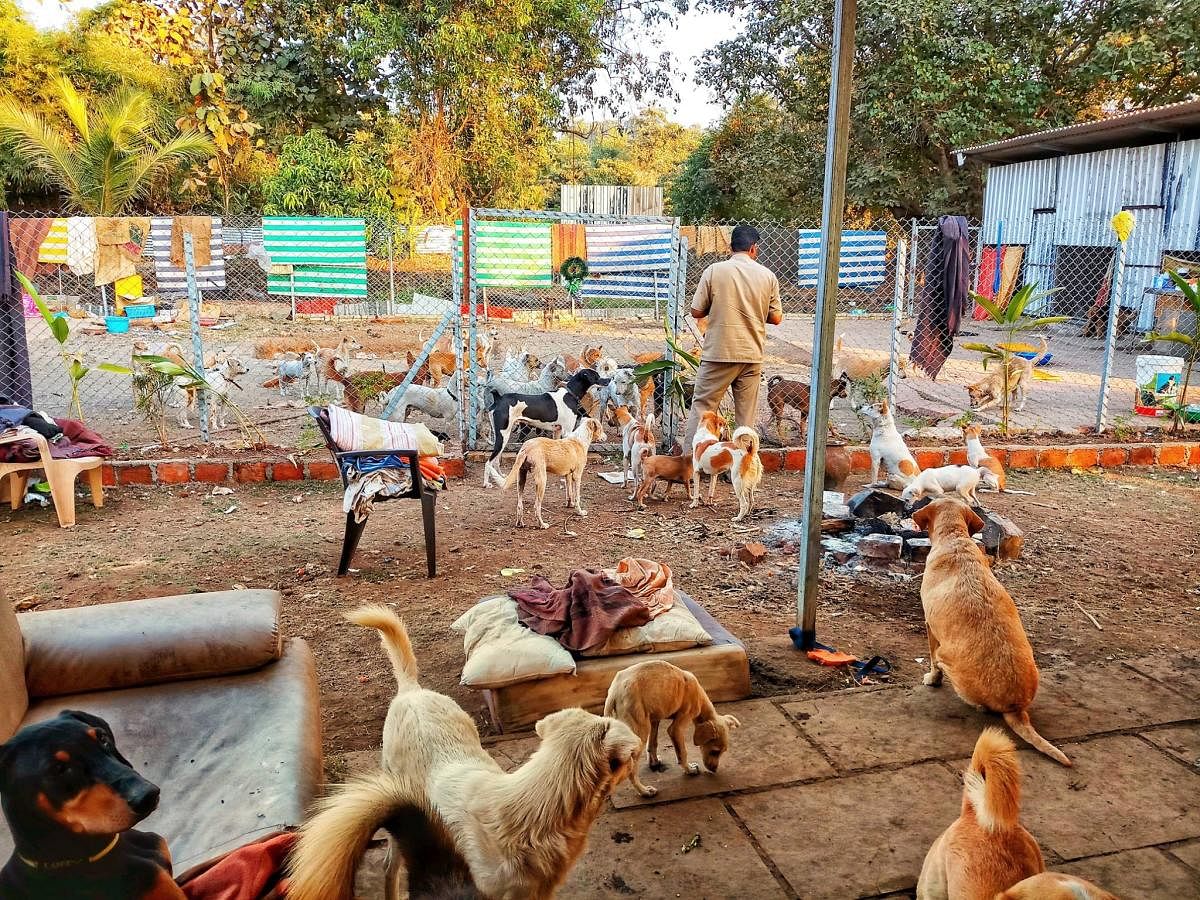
{"points": [[739, 297]]}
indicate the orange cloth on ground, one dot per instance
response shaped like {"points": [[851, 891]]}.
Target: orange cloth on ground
{"points": [[567, 239], [200, 227], [252, 872], [649, 581]]}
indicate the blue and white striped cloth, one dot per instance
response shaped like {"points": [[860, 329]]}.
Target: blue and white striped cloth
{"points": [[862, 262], [638, 286], [628, 248]]}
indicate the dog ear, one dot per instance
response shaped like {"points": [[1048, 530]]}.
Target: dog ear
{"points": [[86, 718], [731, 722], [923, 517], [703, 733], [974, 522]]}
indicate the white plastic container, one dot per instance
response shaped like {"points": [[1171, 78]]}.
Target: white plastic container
{"points": [[1158, 378]]}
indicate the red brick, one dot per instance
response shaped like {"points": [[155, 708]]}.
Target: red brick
{"points": [[454, 467], [327, 471], [108, 474], [1021, 458], [249, 472], [173, 473], [957, 457], [1052, 458], [772, 460], [1173, 455], [212, 472], [1194, 454], [1082, 457], [286, 471], [860, 460], [1113, 456], [1142, 455], [793, 460], [929, 458], [999, 453], [135, 475]]}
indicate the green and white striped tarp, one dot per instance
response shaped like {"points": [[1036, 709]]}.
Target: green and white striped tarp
{"points": [[508, 254], [328, 256]]}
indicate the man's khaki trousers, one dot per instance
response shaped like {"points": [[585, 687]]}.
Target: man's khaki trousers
{"points": [[713, 379]]}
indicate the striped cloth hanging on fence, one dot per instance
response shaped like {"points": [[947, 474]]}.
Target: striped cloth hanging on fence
{"points": [[54, 247], [508, 254], [862, 261], [628, 248], [172, 279], [634, 286], [327, 257]]}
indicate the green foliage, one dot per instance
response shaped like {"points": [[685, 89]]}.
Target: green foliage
{"points": [[1189, 346], [318, 176]]}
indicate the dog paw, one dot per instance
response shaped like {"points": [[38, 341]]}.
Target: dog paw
{"points": [[932, 680], [693, 769], [648, 791], [658, 766]]}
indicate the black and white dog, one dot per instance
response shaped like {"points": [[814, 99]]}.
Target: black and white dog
{"points": [[557, 411]]}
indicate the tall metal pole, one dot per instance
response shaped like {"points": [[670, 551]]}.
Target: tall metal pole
{"points": [[897, 310], [1110, 339], [194, 303], [837, 139]]}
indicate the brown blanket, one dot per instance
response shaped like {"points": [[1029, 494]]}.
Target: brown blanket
{"points": [[582, 614], [78, 441], [201, 231]]}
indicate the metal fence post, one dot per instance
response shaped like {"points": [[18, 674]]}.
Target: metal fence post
{"points": [[1110, 340], [472, 321], [391, 270], [841, 86], [193, 292], [897, 307], [675, 313], [912, 270]]}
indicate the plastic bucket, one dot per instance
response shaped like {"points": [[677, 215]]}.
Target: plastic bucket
{"points": [[116, 324], [1157, 379]]}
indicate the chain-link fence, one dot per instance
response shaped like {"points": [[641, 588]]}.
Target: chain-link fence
{"points": [[299, 310]]}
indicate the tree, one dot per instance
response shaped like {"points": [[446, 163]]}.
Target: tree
{"points": [[932, 76], [318, 176], [109, 157]]}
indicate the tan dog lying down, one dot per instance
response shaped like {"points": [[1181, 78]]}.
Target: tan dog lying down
{"points": [[1055, 886], [975, 633], [985, 849], [540, 457], [643, 695]]}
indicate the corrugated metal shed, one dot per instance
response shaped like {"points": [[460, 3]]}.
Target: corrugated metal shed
{"points": [[611, 199]]}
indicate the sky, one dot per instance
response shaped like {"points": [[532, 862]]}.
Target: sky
{"points": [[691, 36]]}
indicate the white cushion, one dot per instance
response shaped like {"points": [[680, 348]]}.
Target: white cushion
{"points": [[501, 651], [676, 629]]}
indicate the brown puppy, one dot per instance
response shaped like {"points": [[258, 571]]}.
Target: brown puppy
{"points": [[978, 457], [975, 633], [1055, 886], [566, 457], [782, 393], [986, 849], [643, 695], [671, 469]]}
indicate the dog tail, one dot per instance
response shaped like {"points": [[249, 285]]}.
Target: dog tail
{"points": [[272, 382], [747, 438], [837, 347], [514, 474], [1045, 347], [992, 783], [1020, 724], [394, 637]]}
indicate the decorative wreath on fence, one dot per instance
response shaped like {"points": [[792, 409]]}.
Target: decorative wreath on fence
{"points": [[573, 271]]}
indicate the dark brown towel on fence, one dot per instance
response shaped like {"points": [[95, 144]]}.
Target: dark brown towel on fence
{"points": [[78, 441], [944, 300], [27, 236], [581, 615], [200, 228]]}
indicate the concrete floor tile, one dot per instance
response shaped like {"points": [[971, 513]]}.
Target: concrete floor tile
{"points": [[1188, 852], [1136, 873], [764, 750], [855, 836], [1181, 741], [640, 853], [1121, 794], [885, 727], [1180, 671], [1077, 702]]}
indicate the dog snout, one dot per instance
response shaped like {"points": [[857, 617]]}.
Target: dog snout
{"points": [[142, 797]]}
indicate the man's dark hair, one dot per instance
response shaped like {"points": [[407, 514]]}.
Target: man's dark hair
{"points": [[744, 237]]}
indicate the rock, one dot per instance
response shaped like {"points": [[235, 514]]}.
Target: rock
{"points": [[1001, 536], [752, 553], [841, 550], [918, 548], [871, 503], [836, 526], [881, 546], [874, 526], [835, 510]]}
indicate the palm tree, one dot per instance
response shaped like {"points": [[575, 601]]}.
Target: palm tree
{"points": [[108, 159]]}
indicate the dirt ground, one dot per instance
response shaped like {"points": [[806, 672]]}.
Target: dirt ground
{"points": [[1124, 545]]}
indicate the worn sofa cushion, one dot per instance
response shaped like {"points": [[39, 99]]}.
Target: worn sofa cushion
{"points": [[115, 645], [13, 698], [500, 650], [237, 758]]}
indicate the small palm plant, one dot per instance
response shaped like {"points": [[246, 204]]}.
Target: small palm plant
{"points": [[72, 360], [109, 157], [681, 369], [1010, 320], [1189, 346]]}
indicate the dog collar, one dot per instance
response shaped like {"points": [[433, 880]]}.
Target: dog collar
{"points": [[67, 863]]}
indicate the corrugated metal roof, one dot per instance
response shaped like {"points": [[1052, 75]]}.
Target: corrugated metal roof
{"points": [[1143, 126]]}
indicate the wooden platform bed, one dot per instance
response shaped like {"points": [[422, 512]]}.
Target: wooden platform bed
{"points": [[722, 667]]}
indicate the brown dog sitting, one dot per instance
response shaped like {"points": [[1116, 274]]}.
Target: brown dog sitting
{"points": [[782, 393], [71, 800], [643, 695]]}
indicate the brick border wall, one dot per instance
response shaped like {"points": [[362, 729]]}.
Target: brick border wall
{"points": [[788, 459]]}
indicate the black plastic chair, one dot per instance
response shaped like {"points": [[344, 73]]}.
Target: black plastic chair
{"points": [[352, 463]]}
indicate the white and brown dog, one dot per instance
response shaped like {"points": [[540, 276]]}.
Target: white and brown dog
{"points": [[888, 450], [962, 480], [978, 457], [647, 693], [636, 434], [566, 457]]}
